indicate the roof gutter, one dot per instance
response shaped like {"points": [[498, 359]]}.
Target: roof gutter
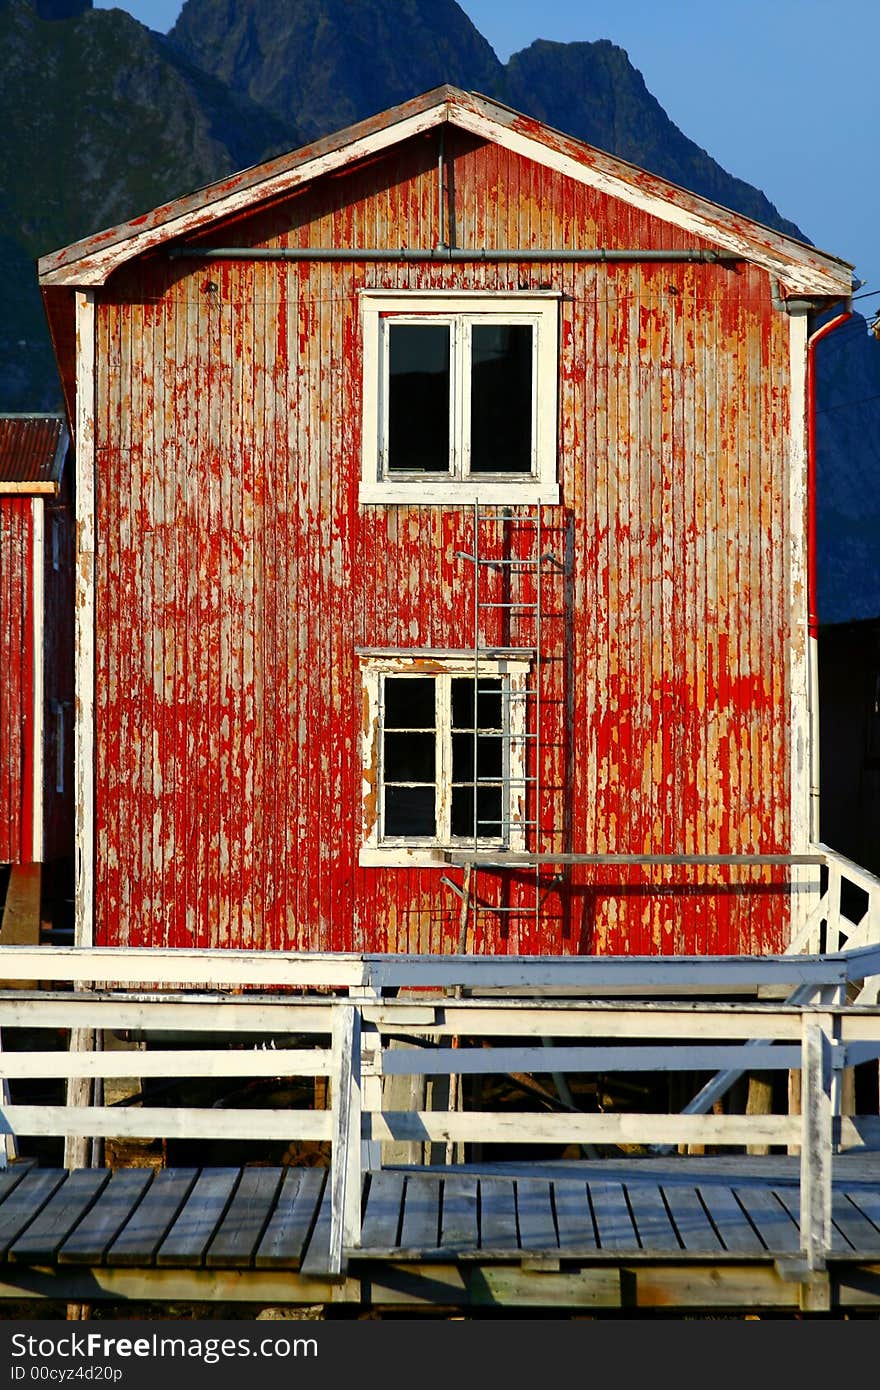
{"points": [[601, 254]]}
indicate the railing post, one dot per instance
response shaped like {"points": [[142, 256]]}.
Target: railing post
{"points": [[817, 1138], [346, 1171]]}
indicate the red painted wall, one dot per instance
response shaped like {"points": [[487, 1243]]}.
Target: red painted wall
{"points": [[237, 577], [16, 681]]}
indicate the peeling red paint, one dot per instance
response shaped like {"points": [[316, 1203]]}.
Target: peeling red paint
{"points": [[237, 576]]}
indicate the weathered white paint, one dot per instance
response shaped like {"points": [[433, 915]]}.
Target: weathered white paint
{"points": [[800, 269], [559, 974], [804, 742], [202, 1062], [459, 310], [488, 1127], [84, 602], [165, 1122], [378, 848]]}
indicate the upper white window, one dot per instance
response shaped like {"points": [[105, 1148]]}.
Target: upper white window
{"points": [[459, 397]]}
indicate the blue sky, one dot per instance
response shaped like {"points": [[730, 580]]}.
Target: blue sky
{"points": [[783, 93]]}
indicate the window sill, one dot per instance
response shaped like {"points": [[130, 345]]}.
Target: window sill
{"points": [[441, 492], [400, 857]]}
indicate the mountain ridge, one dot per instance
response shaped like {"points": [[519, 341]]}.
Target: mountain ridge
{"points": [[107, 119]]}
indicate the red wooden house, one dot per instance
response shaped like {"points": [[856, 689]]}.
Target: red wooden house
{"points": [[36, 668], [442, 496]]}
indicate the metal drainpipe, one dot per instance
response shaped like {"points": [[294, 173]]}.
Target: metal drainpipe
{"points": [[812, 567], [600, 254]]}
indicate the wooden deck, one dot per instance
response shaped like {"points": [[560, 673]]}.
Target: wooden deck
{"points": [[681, 1233]]}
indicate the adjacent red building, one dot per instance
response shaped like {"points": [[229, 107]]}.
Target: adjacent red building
{"points": [[442, 493], [36, 658]]}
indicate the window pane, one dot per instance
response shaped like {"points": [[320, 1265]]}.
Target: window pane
{"points": [[488, 703], [408, 758], [489, 755], [418, 398], [409, 702], [489, 803], [409, 811], [501, 398]]}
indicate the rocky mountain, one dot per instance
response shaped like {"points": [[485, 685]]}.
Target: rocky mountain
{"points": [[104, 118], [322, 64]]}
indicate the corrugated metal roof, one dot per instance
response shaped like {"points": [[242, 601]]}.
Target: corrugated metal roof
{"points": [[32, 450]]}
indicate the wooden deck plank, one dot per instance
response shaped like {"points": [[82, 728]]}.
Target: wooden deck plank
{"points": [[790, 1199], [100, 1226], [855, 1224], [574, 1220], [197, 1220], [241, 1228], [653, 1226], [58, 1217], [382, 1214], [24, 1202], [420, 1229], [613, 1221], [866, 1200], [534, 1215], [497, 1214], [141, 1237], [12, 1176], [289, 1225], [458, 1214], [316, 1257], [736, 1232], [778, 1230], [692, 1225]]}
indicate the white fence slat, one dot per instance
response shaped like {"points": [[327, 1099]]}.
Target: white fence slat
{"points": [[199, 1062], [165, 1122], [470, 1126], [471, 1061]]}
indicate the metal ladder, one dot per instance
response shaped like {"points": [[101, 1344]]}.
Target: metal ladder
{"points": [[516, 607]]}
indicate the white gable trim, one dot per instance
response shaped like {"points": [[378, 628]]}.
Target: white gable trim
{"points": [[799, 270], [796, 278]]}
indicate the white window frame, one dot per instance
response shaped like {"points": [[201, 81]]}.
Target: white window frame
{"points": [[514, 671], [461, 309]]}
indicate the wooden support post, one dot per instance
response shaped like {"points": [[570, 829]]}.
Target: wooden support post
{"points": [[816, 1139], [759, 1102], [78, 1147], [8, 1141], [794, 1104], [346, 1174]]}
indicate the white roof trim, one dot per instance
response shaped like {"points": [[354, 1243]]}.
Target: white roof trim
{"points": [[797, 268]]}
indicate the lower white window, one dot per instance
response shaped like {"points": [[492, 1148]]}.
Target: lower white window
{"points": [[444, 761]]}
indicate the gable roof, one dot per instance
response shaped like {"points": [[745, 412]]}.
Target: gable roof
{"points": [[32, 453], [800, 268]]}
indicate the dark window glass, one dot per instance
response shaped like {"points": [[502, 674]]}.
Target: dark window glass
{"points": [[409, 702], [489, 755], [488, 811], [418, 404], [410, 811], [488, 703], [409, 757], [501, 398]]}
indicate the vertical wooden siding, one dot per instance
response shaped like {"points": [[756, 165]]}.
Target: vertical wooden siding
{"points": [[16, 680], [237, 576]]}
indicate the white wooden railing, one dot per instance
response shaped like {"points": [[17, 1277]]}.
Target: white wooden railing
{"points": [[449, 1016], [829, 928]]}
